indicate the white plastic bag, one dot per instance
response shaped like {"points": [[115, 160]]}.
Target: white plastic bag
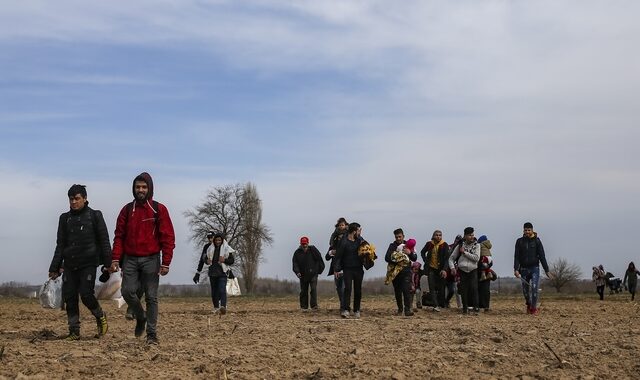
{"points": [[233, 287], [110, 290], [51, 293]]}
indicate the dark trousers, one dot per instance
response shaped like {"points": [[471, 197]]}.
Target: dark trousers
{"points": [[80, 282], [402, 289], [469, 289], [600, 290], [339, 281], [352, 281], [306, 284], [484, 294], [436, 287], [218, 291], [141, 273]]}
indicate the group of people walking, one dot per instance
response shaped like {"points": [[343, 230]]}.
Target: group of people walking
{"points": [[603, 278], [142, 249], [462, 269]]}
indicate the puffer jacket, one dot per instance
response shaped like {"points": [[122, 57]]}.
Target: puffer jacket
{"points": [[82, 240]]}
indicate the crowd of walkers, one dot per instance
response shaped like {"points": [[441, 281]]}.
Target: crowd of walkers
{"points": [[462, 269], [602, 279]]}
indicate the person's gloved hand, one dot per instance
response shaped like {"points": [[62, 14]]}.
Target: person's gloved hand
{"points": [[104, 277], [196, 278]]}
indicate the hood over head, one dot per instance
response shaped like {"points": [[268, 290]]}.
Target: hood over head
{"points": [[146, 177]]}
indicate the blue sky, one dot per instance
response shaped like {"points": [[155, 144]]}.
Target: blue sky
{"points": [[423, 115]]}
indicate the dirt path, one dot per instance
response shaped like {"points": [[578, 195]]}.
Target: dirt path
{"points": [[270, 338]]}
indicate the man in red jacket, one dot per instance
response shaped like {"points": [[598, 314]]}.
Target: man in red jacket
{"points": [[143, 231]]}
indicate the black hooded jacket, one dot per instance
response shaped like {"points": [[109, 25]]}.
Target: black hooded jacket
{"points": [[309, 263], [82, 240], [529, 253]]}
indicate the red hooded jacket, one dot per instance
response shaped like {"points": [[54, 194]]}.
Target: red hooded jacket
{"points": [[136, 231]]}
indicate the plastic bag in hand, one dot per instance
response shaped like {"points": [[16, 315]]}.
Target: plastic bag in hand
{"points": [[51, 293]]}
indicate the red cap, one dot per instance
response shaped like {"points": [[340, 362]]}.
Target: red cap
{"points": [[304, 240]]}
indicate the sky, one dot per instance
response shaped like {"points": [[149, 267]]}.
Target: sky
{"points": [[420, 114]]}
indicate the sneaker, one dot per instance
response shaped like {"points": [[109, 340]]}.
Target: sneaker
{"points": [[399, 312], [436, 309], [344, 314], [304, 310], [528, 309], [102, 325], [140, 325], [223, 310], [408, 313], [356, 315], [152, 340], [73, 335], [535, 311], [315, 308], [215, 310]]}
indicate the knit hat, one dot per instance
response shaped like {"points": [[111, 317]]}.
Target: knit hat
{"points": [[482, 238], [410, 244], [304, 240]]}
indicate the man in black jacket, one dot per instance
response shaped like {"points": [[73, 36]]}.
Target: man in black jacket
{"points": [[307, 265], [82, 244], [529, 254]]}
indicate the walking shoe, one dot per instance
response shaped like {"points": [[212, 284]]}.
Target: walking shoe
{"points": [[129, 314], [436, 309], [344, 314], [223, 310], [140, 325], [102, 325], [535, 311], [215, 310], [399, 312], [408, 313], [356, 315], [152, 340], [73, 335]]}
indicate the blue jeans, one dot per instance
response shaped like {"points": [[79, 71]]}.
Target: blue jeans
{"points": [[218, 291], [530, 278], [141, 272]]}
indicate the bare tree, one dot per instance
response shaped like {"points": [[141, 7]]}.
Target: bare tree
{"points": [[563, 273], [236, 212]]}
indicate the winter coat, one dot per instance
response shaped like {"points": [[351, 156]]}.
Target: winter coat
{"points": [[334, 242], [529, 253], [442, 253], [82, 240], [217, 269], [468, 259], [599, 276], [138, 234], [347, 256], [307, 264]]}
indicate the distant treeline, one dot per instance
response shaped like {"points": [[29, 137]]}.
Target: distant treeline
{"points": [[326, 288]]}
